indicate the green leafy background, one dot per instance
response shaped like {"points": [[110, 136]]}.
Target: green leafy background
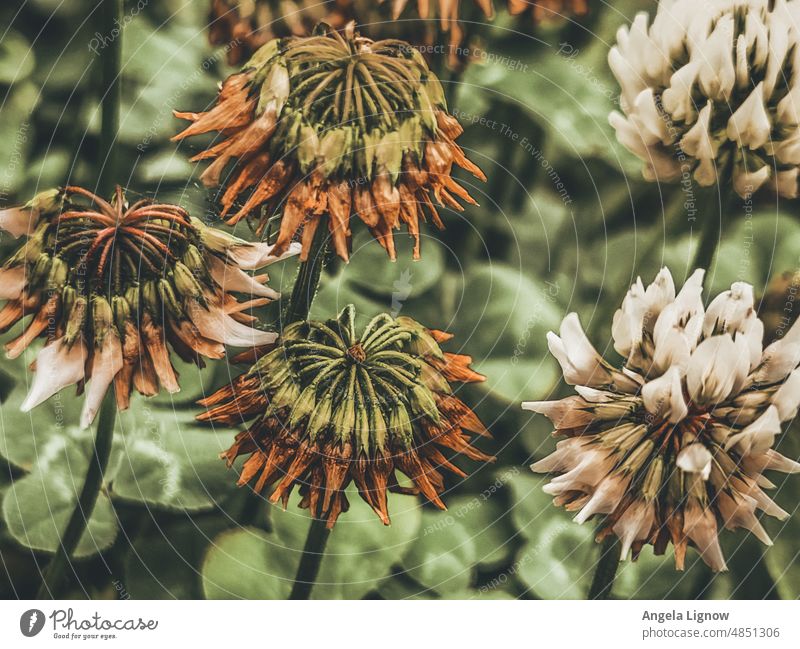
{"points": [[170, 522]]}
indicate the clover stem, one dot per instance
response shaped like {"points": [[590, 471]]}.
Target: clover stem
{"points": [[711, 229], [109, 17], [311, 560], [606, 569], [6, 385], [305, 288], [308, 276], [54, 573]]}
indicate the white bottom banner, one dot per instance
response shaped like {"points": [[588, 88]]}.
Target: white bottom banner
{"points": [[400, 624]]}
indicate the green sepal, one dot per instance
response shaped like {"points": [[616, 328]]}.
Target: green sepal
{"points": [[304, 405], [400, 424], [320, 416], [422, 401]]}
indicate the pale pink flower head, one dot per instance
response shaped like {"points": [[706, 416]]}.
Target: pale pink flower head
{"points": [[710, 91], [672, 445]]}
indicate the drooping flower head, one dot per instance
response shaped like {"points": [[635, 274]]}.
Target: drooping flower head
{"points": [[329, 407], [449, 15], [245, 25], [673, 444], [336, 125], [447, 11], [712, 90], [112, 286]]}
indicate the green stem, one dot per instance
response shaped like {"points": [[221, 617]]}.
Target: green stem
{"points": [[109, 19], [709, 233], [310, 561], [606, 569], [6, 385], [54, 574], [308, 276], [305, 288]]}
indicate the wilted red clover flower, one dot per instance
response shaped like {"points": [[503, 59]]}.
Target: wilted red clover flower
{"points": [[329, 407], [329, 127], [112, 286]]}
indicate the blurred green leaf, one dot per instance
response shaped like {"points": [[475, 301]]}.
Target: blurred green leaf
{"points": [[251, 564], [443, 556], [163, 462], [17, 58], [370, 269], [36, 508], [247, 563], [164, 561], [507, 318]]}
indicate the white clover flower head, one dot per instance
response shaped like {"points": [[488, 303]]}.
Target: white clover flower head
{"points": [[712, 90], [674, 443]]}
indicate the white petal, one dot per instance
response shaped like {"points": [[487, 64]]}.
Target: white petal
{"points": [[774, 461], [630, 81], [566, 456], [605, 498], [659, 293], [677, 98], [695, 458], [57, 366], [778, 24], [659, 164], [746, 183], [787, 397], [705, 173], [580, 361], [18, 221], [12, 281], [697, 141], [106, 362], [570, 412], [689, 299], [738, 510], [700, 526], [757, 36], [711, 373], [233, 279], [752, 329], [586, 469], [672, 347], [664, 396], [728, 310], [251, 256], [647, 118], [592, 395], [714, 55], [634, 525], [758, 436], [626, 328], [787, 150], [750, 126], [789, 107], [779, 358], [785, 182], [213, 323]]}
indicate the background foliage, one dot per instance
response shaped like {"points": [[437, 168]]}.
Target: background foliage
{"points": [[565, 224]]}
